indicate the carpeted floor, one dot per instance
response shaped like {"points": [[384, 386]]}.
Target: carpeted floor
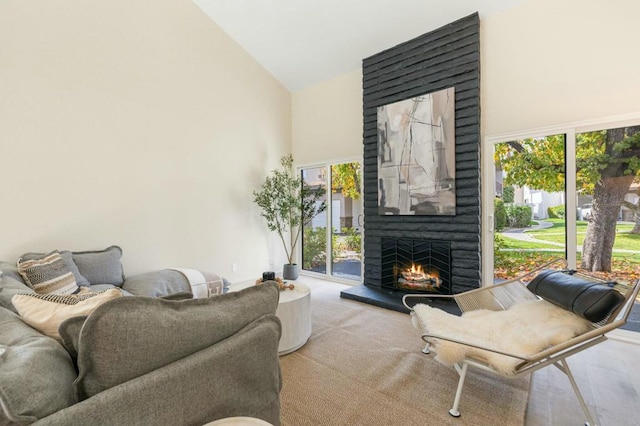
{"points": [[363, 366]]}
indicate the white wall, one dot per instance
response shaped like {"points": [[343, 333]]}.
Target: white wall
{"points": [[549, 62], [327, 120], [544, 62], [135, 123]]}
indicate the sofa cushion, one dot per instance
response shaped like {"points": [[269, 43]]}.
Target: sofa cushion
{"points": [[45, 313], [156, 283], [68, 260], [101, 266], [152, 333], [36, 373], [587, 299], [11, 270], [48, 274], [9, 287], [69, 331]]}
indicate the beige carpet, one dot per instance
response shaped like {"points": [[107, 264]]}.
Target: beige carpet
{"points": [[363, 366]]}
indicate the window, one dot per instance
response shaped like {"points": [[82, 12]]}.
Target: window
{"points": [[332, 242], [580, 186]]}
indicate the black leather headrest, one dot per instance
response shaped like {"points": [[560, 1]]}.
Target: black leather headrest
{"points": [[590, 300]]}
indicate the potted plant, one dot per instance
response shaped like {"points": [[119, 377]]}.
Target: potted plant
{"points": [[288, 203]]}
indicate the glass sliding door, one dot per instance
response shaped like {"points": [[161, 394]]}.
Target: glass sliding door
{"points": [[529, 204], [581, 187], [346, 216], [332, 242], [314, 234], [608, 206]]}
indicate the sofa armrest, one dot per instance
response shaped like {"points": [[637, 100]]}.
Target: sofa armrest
{"points": [[239, 376], [150, 333]]}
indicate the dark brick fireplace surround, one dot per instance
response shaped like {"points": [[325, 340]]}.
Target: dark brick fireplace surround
{"points": [[446, 57]]}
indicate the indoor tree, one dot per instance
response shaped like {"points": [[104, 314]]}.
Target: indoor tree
{"points": [[607, 162], [288, 203]]}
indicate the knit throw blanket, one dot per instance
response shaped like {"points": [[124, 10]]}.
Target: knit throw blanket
{"points": [[525, 329], [202, 283]]}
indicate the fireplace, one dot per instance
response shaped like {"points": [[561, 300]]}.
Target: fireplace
{"points": [[416, 265], [448, 56], [409, 266]]}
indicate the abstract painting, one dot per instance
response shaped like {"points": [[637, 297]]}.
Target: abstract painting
{"points": [[416, 155]]}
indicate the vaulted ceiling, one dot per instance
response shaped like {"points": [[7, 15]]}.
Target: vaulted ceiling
{"points": [[303, 42]]}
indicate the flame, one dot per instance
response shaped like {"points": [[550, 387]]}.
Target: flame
{"points": [[417, 273], [416, 269]]}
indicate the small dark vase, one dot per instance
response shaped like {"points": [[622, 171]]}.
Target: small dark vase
{"points": [[290, 271]]}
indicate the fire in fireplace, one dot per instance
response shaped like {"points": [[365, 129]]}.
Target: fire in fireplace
{"points": [[416, 278], [416, 265]]}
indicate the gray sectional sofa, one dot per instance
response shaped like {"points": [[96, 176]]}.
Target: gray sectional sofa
{"points": [[142, 360]]}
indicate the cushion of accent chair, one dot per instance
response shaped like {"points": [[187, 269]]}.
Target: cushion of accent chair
{"points": [[152, 333], [36, 373], [45, 313], [101, 266], [48, 274], [68, 260], [590, 300]]}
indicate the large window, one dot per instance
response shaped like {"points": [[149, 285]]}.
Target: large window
{"points": [[529, 203], [332, 242], [572, 193]]}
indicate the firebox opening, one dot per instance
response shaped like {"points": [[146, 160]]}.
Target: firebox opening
{"points": [[415, 265]]}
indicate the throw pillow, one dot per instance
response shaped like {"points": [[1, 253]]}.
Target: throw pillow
{"points": [[588, 299], [45, 313], [101, 266], [68, 259], [48, 275]]}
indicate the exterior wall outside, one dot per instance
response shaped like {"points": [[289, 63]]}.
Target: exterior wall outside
{"points": [[540, 201], [139, 125]]}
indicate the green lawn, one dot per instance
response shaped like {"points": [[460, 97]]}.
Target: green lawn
{"points": [[521, 256], [510, 243], [624, 240]]}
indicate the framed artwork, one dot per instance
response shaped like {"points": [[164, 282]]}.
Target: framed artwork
{"points": [[416, 155]]}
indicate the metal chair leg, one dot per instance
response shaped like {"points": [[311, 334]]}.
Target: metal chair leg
{"points": [[565, 369], [462, 371]]}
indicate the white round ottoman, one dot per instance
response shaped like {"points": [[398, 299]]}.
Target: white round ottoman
{"points": [[294, 311]]}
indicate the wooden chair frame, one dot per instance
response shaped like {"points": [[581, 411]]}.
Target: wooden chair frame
{"points": [[502, 296]]}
